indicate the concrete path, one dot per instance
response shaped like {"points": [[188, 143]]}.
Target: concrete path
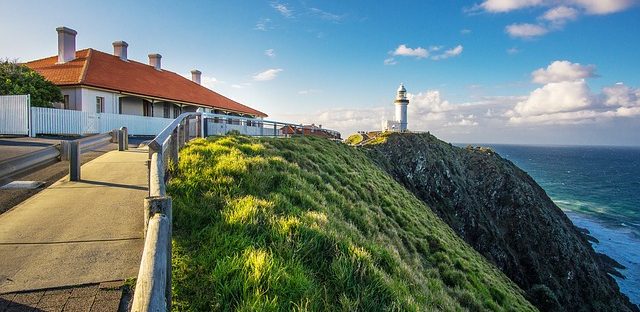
{"points": [[76, 233]]}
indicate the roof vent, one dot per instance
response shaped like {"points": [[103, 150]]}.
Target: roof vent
{"points": [[120, 49], [154, 60], [66, 44], [196, 75]]}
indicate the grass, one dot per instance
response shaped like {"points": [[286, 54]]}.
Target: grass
{"points": [[354, 139], [306, 224]]}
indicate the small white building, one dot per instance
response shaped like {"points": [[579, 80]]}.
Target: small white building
{"points": [[98, 82], [400, 122]]}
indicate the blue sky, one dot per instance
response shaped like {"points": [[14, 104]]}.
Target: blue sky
{"points": [[495, 71]]}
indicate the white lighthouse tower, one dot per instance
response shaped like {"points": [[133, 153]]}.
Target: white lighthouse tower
{"points": [[400, 122], [401, 103]]}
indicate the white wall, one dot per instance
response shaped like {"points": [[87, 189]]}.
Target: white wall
{"points": [[75, 97], [132, 106], [89, 101]]}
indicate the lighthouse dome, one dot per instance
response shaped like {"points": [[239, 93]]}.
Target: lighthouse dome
{"points": [[401, 88]]}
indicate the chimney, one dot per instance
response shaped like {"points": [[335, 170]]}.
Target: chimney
{"points": [[66, 44], [120, 49], [154, 60], [195, 76]]}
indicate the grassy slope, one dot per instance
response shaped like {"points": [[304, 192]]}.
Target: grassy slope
{"points": [[309, 224]]}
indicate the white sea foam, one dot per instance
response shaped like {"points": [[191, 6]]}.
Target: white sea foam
{"points": [[618, 243]]}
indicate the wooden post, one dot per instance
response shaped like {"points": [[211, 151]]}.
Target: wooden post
{"points": [[199, 126], [126, 138], [182, 136], [159, 205], [74, 161], [173, 147], [121, 140], [187, 133]]}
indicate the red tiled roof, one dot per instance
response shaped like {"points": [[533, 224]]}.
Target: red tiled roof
{"points": [[102, 70]]}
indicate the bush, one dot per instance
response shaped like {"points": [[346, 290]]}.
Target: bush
{"points": [[16, 79]]}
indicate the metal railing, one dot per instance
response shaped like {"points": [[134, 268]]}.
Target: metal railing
{"points": [[65, 150], [217, 124], [153, 286]]}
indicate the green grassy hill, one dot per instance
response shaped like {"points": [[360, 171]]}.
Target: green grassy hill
{"points": [[310, 224]]}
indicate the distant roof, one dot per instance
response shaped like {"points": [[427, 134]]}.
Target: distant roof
{"points": [[102, 70]]}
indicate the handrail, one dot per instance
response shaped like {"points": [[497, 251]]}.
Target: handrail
{"points": [[266, 121], [51, 154], [153, 287], [160, 141]]}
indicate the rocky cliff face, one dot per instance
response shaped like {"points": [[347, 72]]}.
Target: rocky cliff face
{"points": [[506, 216]]}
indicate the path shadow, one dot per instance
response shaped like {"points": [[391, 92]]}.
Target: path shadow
{"points": [[127, 186]]}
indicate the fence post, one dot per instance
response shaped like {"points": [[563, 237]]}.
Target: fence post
{"points": [[187, 133], [173, 147], [121, 140], [181, 136], [125, 137], [199, 126], [205, 127], [161, 205], [74, 161]]}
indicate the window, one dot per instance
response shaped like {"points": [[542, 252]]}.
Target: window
{"points": [[99, 104], [176, 111], [65, 101], [147, 108], [166, 110]]}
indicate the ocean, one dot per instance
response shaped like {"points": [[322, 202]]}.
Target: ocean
{"points": [[599, 189]]}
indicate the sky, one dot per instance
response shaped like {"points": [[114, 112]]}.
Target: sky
{"points": [[495, 71]]}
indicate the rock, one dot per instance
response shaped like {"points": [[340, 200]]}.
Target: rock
{"points": [[506, 216]]}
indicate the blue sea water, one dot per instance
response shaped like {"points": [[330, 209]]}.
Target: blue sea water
{"points": [[599, 189]]}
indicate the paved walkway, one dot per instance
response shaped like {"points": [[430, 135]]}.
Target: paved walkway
{"points": [[94, 298], [76, 233]]}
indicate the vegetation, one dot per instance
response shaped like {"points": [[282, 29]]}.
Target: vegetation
{"points": [[19, 79], [354, 139], [308, 224]]}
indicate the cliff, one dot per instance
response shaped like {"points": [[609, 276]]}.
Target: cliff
{"points": [[263, 224], [507, 217]]}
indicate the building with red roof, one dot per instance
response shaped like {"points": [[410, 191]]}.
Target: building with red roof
{"points": [[99, 82]]}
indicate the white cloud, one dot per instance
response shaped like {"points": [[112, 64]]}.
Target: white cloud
{"points": [[525, 30], [270, 53], [513, 50], [590, 6], [560, 14], [390, 61], [461, 120], [449, 53], [565, 98], [559, 71], [309, 91], [603, 6], [403, 50], [263, 24], [498, 6], [282, 9], [209, 82], [326, 15], [268, 74], [465, 31], [621, 95], [555, 97]]}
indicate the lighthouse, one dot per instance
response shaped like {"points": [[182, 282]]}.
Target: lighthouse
{"points": [[401, 103], [399, 124]]}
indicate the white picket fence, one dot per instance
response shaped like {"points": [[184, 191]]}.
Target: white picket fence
{"points": [[14, 114], [72, 122]]}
